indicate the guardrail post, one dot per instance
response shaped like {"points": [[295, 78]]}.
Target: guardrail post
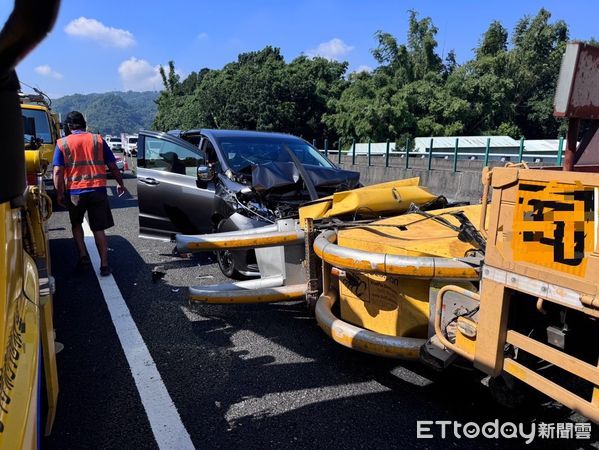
{"points": [[560, 150], [521, 149], [353, 152], [387, 154], [487, 148], [430, 156], [339, 152], [326, 147], [369, 153], [407, 153], [314, 144], [455, 155]]}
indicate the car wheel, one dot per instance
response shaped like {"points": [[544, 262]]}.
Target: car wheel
{"points": [[225, 260], [227, 266]]}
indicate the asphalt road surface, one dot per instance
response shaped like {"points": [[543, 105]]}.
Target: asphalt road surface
{"points": [[255, 376]]}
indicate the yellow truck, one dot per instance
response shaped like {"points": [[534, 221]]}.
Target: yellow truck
{"points": [[41, 131], [27, 355], [536, 315], [525, 309]]}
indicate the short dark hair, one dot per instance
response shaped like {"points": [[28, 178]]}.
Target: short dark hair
{"points": [[76, 121]]}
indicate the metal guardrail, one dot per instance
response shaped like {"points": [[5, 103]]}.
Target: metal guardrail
{"points": [[430, 154]]}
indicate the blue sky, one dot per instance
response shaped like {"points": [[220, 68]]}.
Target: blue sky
{"points": [[99, 46]]}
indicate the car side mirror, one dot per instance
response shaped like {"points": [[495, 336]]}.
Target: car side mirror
{"points": [[205, 173]]}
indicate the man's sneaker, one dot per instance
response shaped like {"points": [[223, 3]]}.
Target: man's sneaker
{"points": [[105, 271]]}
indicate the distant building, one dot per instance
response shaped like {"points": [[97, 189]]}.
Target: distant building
{"points": [[376, 148], [469, 147], [541, 146], [542, 150], [472, 147]]}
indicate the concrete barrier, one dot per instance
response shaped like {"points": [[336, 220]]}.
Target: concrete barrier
{"points": [[456, 186]]}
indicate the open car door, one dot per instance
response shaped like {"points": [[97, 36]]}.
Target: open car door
{"points": [[170, 197]]}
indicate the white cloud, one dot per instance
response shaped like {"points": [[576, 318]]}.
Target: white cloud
{"points": [[97, 31], [140, 75], [333, 49], [202, 36], [47, 71], [363, 68]]}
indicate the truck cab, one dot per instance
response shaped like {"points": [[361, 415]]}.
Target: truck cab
{"points": [[131, 145], [41, 131]]}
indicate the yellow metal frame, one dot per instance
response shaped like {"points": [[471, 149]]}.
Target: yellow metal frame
{"points": [[519, 264], [265, 295], [360, 339]]}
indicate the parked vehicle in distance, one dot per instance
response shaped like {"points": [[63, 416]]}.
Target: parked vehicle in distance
{"points": [[131, 145], [114, 142], [120, 164], [202, 181]]}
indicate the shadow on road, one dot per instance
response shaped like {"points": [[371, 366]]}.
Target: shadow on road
{"points": [[253, 376]]}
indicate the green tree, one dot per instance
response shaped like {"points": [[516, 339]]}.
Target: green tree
{"points": [[170, 100], [507, 88], [534, 67], [259, 91], [405, 95]]}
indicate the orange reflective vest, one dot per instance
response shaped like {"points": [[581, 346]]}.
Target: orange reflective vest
{"points": [[83, 161]]}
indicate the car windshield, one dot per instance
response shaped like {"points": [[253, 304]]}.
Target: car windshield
{"points": [[132, 140], [42, 126], [242, 152], [115, 140]]}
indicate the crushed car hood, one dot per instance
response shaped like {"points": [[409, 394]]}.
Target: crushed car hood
{"points": [[282, 176]]}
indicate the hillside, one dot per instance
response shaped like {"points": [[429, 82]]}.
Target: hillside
{"points": [[112, 112]]}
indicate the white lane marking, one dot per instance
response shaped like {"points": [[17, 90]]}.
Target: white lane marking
{"points": [[162, 413]]}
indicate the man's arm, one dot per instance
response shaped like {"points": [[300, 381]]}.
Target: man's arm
{"points": [[116, 173], [110, 161], [58, 176]]}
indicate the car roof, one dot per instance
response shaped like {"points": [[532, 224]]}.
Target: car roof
{"points": [[238, 133]]}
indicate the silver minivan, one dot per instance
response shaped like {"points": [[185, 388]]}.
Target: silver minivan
{"points": [[202, 181]]}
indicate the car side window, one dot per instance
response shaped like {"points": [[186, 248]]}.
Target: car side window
{"points": [[170, 157]]}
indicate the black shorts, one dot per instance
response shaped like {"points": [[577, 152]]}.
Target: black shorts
{"points": [[97, 207]]}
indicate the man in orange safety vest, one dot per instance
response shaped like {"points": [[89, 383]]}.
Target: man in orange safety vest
{"points": [[80, 161]]}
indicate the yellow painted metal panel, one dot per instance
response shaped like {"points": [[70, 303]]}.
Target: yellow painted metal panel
{"points": [[554, 225], [389, 197], [385, 304], [412, 234], [49, 355], [19, 379]]}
